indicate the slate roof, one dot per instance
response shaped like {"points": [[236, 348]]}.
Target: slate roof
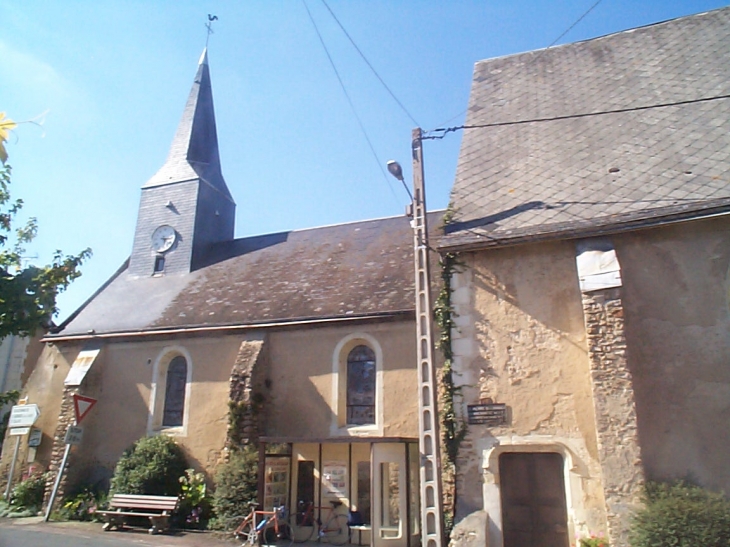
{"points": [[194, 150], [360, 269], [584, 175]]}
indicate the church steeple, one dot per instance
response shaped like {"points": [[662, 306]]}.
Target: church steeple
{"points": [[186, 206], [194, 150]]}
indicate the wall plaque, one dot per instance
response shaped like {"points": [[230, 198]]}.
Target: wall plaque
{"points": [[487, 413]]}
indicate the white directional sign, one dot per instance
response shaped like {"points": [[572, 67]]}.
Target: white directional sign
{"points": [[23, 415]]}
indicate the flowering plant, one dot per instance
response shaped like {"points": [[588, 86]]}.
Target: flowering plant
{"points": [[194, 502], [593, 541]]}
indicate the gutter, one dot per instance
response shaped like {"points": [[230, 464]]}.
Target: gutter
{"points": [[561, 231], [229, 329]]}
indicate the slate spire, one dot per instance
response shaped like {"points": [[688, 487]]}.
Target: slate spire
{"points": [[185, 209], [194, 150]]}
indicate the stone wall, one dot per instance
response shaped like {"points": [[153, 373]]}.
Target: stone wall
{"points": [[246, 400], [66, 418], [615, 410]]}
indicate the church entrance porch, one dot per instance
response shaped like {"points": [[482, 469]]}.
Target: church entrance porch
{"points": [[374, 481]]}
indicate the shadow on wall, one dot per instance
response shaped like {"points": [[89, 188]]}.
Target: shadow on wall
{"points": [[539, 279], [677, 325]]}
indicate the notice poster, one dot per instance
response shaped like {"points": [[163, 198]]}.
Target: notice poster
{"points": [[334, 479], [276, 485]]}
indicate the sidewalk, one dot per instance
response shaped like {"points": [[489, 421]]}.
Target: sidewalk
{"points": [[138, 536]]}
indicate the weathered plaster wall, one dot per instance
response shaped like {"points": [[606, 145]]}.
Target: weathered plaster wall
{"points": [[675, 294], [296, 385], [121, 379], [44, 388], [302, 402], [520, 340]]}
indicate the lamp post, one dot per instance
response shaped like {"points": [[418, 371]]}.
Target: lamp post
{"points": [[428, 418]]}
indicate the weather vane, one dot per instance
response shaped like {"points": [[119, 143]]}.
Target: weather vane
{"points": [[209, 26]]}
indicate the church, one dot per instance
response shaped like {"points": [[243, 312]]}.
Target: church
{"points": [[589, 251], [309, 334]]}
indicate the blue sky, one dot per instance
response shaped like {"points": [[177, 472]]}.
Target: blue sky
{"points": [[113, 77]]}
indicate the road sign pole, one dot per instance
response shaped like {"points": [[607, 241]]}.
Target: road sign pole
{"points": [[12, 468], [57, 483], [82, 405]]}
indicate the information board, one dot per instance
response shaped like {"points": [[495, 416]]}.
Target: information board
{"points": [[489, 413]]}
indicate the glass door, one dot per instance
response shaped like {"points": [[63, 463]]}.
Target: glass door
{"points": [[389, 500]]}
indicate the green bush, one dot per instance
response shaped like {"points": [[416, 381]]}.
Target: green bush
{"points": [[29, 493], [681, 515], [152, 466], [236, 484]]}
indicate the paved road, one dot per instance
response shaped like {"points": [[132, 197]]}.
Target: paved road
{"points": [[33, 532]]}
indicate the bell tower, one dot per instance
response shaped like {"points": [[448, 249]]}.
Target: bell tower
{"points": [[186, 206]]}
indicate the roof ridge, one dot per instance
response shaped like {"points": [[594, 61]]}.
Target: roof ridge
{"points": [[541, 51], [348, 223]]}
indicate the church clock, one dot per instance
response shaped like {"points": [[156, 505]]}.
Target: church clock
{"points": [[163, 238]]}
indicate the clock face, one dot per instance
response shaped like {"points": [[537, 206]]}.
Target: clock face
{"points": [[163, 238]]}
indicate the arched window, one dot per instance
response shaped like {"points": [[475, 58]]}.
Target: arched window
{"points": [[361, 386], [177, 373]]}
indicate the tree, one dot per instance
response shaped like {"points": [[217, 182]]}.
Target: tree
{"points": [[27, 293]]}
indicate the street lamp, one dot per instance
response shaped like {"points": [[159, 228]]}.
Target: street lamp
{"points": [[428, 423], [394, 169]]}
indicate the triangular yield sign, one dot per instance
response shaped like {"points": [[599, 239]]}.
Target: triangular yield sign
{"points": [[82, 405]]}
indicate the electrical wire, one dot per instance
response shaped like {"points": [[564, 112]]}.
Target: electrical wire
{"points": [[349, 100], [445, 130], [572, 26], [535, 58], [371, 66]]}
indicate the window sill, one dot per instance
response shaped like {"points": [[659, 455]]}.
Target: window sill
{"points": [[172, 431], [359, 430]]}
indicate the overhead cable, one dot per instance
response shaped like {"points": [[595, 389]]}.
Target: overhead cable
{"points": [[445, 130], [370, 65], [349, 100], [543, 51]]}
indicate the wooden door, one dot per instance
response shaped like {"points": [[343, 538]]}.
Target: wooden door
{"points": [[533, 500]]}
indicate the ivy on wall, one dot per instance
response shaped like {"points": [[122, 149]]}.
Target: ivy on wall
{"points": [[453, 429], [242, 419]]}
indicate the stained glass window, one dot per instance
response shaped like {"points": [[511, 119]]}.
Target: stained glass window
{"points": [[177, 375], [361, 386]]}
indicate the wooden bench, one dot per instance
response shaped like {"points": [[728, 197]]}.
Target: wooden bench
{"points": [[156, 508]]}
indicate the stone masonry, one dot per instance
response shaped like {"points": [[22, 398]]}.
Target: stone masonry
{"points": [[245, 399], [615, 410], [66, 418]]}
